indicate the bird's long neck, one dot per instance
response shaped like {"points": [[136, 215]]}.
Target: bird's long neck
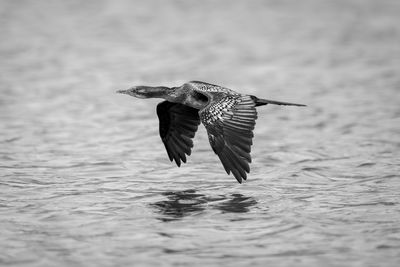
{"points": [[154, 92], [169, 94], [173, 94]]}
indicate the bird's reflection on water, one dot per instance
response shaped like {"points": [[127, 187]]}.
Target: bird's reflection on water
{"points": [[237, 203], [180, 204]]}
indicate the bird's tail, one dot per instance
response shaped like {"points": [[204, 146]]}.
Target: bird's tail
{"points": [[261, 102]]}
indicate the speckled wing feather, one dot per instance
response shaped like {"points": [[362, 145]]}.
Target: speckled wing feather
{"points": [[178, 125], [230, 121]]}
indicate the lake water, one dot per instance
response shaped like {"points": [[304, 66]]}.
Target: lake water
{"points": [[85, 179]]}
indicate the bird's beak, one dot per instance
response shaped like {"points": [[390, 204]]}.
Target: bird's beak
{"points": [[123, 92]]}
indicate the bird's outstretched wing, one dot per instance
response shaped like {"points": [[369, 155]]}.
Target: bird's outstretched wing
{"points": [[178, 125], [230, 122]]}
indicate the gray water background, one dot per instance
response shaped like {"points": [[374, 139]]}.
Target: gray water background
{"points": [[85, 179]]}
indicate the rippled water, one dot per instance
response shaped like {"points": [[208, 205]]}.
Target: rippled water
{"points": [[85, 180]]}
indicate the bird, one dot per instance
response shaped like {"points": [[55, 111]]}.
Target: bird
{"points": [[228, 116]]}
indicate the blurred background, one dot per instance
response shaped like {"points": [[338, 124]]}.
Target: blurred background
{"points": [[85, 179]]}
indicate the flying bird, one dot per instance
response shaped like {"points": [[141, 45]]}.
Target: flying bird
{"points": [[229, 118]]}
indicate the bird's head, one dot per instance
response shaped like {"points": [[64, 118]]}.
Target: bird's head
{"points": [[146, 91]]}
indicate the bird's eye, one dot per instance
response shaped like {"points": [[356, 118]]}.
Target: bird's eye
{"points": [[140, 91]]}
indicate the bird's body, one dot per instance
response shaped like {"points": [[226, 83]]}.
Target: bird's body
{"points": [[229, 118]]}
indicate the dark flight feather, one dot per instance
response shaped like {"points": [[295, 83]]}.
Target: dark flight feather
{"points": [[178, 125]]}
